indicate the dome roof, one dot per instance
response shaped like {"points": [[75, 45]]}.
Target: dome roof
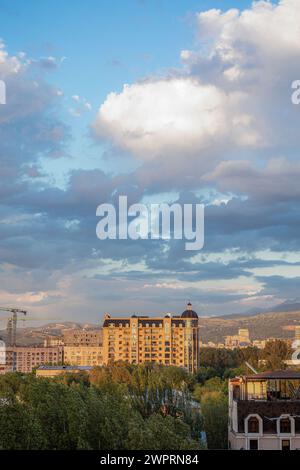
{"points": [[189, 312]]}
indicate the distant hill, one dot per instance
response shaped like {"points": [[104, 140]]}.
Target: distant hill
{"points": [[263, 325], [36, 335], [279, 323], [287, 306]]}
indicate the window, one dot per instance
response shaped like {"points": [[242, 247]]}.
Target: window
{"points": [[285, 426], [286, 444], [253, 444], [253, 425]]}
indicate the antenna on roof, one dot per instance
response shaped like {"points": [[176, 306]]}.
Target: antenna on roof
{"points": [[251, 368]]}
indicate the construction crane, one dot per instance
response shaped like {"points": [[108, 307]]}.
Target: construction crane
{"points": [[12, 324]]}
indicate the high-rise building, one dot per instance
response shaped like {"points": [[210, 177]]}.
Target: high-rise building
{"points": [[168, 340]]}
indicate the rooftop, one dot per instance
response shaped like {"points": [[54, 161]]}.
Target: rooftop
{"points": [[272, 375], [189, 312], [67, 368]]}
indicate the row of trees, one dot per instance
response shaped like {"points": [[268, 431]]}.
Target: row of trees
{"points": [[119, 407], [124, 406], [227, 363]]}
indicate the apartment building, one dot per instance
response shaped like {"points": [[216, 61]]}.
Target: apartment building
{"points": [[25, 359], [241, 340], [264, 411], [83, 355], [82, 338], [51, 341], [168, 340]]}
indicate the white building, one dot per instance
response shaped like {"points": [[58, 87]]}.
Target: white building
{"points": [[264, 411]]}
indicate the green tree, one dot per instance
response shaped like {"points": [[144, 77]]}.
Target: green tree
{"points": [[161, 433], [19, 429], [214, 406], [274, 353], [214, 384]]}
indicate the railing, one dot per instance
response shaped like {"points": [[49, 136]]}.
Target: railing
{"points": [[253, 396]]}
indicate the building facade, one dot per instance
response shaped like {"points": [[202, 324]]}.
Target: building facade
{"points": [[241, 340], [82, 338], [25, 359], [264, 411], [168, 340], [83, 355], [51, 341]]}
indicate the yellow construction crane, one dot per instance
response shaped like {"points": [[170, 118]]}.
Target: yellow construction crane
{"points": [[12, 324]]}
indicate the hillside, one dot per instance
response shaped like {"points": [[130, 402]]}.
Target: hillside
{"points": [[264, 325], [35, 335]]}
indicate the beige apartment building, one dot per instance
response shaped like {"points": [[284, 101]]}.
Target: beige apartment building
{"points": [[51, 341], [264, 411], [83, 355], [168, 340], [82, 338], [241, 340], [25, 359]]}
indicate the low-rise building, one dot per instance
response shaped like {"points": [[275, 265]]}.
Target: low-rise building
{"points": [[264, 411], [259, 344], [54, 371]]}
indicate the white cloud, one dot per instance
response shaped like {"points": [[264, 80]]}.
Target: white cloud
{"points": [[81, 105], [273, 29], [230, 93], [173, 115]]}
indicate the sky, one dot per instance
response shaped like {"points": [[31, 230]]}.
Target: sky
{"points": [[164, 101]]}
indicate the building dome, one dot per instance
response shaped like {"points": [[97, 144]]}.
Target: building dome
{"points": [[189, 312]]}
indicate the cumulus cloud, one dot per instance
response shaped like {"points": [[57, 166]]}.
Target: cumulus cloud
{"points": [[232, 94], [266, 31], [173, 115]]}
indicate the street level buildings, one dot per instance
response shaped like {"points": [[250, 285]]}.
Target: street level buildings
{"points": [[167, 340]]}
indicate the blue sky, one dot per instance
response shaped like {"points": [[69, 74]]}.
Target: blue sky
{"points": [[212, 86], [105, 44]]}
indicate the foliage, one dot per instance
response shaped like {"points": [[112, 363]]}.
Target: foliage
{"points": [[119, 407], [274, 353], [214, 406]]}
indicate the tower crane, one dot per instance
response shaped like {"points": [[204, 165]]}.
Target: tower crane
{"points": [[12, 323]]}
